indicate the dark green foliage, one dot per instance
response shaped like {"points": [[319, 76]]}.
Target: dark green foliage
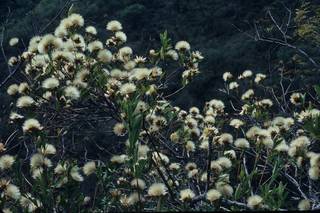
{"points": [[209, 25]]}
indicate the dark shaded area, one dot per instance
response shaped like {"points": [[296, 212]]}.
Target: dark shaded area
{"points": [[209, 25]]}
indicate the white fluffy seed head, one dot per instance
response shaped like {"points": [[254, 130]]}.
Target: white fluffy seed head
{"points": [[119, 129], [157, 189], [242, 143], [13, 41], [236, 123], [49, 43], [127, 88], [12, 191], [254, 201], [72, 92], [182, 46], [114, 26], [213, 195], [304, 205], [47, 149], [104, 56], [50, 83], [138, 183], [13, 89], [91, 30], [259, 77], [186, 195], [6, 162], [25, 101], [121, 36], [119, 159], [226, 76], [31, 124], [95, 46], [89, 168], [74, 173], [76, 20]]}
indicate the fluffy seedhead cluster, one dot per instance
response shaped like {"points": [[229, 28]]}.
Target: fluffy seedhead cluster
{"points": [[241, 154]]}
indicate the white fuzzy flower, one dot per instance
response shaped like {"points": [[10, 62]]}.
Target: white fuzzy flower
{"points": [[182, 46], [143, 151], [74, 173], [31, 124], [114, 26], [140, 74], [33, 44], [50, 83], [127, 88], [60, 169], [157, 189], [124, 53], [259, 77], [89, 168], [216, 104], [95, 46], [236, 123], [12, 191], [226, 76], [314, 173], [224, 162], [265, 103], [104, 56], [6, 162], [190, 146], [37, 173], [304, 205], [186, 195], [30, 203], [13, 41], [91, 30], [13, 89], [25, 101], [158, 157], [213, 195], [15, 116], [47, 149], [254, 201], [246, 74], [296, 98], [242, 143], [23, 87], [38, 160], [60, 31], [173, 54], [247, 95], [138, 183], [76, 20], [121, 36], [282, 147], [72, 92], [224, 138], [233, 85], [174, 166], [49, 43], [119, 129], [119, 159]]}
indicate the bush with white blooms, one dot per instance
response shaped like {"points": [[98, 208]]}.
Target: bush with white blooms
{"points": [[247, 153]]}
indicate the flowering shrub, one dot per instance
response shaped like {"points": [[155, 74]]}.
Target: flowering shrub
{"points": [[251, 152]]}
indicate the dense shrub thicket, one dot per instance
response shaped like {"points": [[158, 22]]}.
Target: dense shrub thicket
{"points": [[258, 150]]}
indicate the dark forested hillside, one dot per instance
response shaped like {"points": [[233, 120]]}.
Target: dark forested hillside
{"points": [[210, 25], [159, 105]]}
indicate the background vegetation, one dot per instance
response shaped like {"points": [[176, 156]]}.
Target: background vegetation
{"points": [[277, 38], [210, 25]]}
